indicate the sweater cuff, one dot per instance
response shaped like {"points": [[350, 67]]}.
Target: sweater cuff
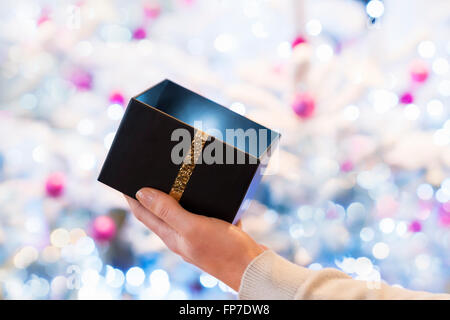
{"points": [[271, 277]]}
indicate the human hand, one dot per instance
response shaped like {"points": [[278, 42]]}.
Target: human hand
{"points": [[215, 246]]}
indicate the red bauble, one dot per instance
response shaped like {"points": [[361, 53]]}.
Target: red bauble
{"points": [[304, 105]]}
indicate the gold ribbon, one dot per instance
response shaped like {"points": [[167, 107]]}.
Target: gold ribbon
{"points": [[186, 169]]}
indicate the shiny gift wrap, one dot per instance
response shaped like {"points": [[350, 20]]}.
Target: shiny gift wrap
{"points": [[141, 154]]}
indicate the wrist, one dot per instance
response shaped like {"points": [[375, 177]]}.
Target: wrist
{"points": [[242, 265]]}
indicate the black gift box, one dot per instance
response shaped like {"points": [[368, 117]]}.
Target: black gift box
{"points": [[206, 156]]}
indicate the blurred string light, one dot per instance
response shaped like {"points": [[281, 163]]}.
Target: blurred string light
{"points": [[85, 127], [324, 52], [76, 234], [37, 287], [313, 27], [296, 230], [444, 88], [51, 254], [252, 8], [363, 266], [25, 256], [402, 228], [375, 8], [271, 216], [34, 224], [284, 49], [356, 211], [90, 278], [114, 277], [366, 234], [441, 137], [383, 100], [440, 66], [425, 191], [426, 49], [435, 107], [315, 266], [40, 154], [226, 288], [351, 113], [225, 43], [208, 281], [422, 261], [135, 276], [411, 112], [443, 194], [107, 141], [87, 161], [85, 246], [370, 179], [380, 250], [387, 225], [259, 30], [115, 111], [159, 281], [238, 107], [60, 237], [177, 294]]}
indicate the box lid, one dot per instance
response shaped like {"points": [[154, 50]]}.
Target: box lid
{"points": [[215, 119]]}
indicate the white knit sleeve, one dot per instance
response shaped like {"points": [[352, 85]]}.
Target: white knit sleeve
{"points": [[269, 276]]}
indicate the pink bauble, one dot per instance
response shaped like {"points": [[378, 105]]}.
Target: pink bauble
{"points": [[152, 11], [298, 40], [103, 228], [81, 79], [406, 98], [303, 105], [419, 71], [444, 214], [347, 166], [139, 34], [415, 226], [44, 17], [387, 206], [116, 97], [188, 2], [55, 184]]}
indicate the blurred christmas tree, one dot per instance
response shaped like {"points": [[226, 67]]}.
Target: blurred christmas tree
{"points": [[359, 91]]}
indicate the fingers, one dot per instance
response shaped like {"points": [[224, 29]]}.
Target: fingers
{"points": [[166, 209], [150, 220]]}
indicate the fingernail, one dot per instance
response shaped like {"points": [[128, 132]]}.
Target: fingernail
{"points": [[145, 196]]}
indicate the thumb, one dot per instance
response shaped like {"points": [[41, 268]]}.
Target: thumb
{"points": [[166, 208]]}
